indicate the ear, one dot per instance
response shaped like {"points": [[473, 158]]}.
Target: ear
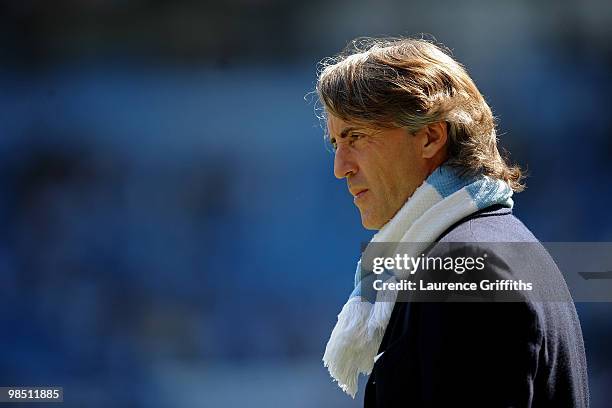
{"points": [[434, 139]]}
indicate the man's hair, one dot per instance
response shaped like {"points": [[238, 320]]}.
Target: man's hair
{"points": [[412, 83]]}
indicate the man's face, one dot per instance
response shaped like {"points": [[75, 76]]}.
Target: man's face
{"points": [[382, 167]]}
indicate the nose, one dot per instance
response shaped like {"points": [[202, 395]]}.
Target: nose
{"points": [[344, 162]]}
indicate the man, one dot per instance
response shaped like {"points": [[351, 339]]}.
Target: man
{"points": [[415, 141]]}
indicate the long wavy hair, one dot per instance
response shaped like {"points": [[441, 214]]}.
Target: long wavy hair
{"points": [[411, 83]]}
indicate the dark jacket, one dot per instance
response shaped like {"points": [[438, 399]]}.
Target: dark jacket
{"points": [[511, 354]]}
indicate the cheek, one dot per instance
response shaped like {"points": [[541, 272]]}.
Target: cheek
{"points": [[378, 173], [390, 172], [401, 177]]}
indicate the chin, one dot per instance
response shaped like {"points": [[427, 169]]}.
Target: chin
{"points": [[371, 224]]}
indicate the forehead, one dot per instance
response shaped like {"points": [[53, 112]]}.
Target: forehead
{"points": [[337, 126]]}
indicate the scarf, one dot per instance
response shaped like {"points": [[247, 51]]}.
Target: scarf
{"points": [[444, 198]]}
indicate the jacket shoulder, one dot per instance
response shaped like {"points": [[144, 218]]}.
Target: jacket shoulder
{"points": [[492, 224]]}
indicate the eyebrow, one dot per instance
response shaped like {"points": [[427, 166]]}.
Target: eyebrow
{"points": [[345, 132]]}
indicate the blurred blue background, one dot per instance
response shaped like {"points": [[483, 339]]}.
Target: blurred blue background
{"points": [[172, 233]]}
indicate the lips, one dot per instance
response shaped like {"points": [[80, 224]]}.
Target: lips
{"points": [[359, 193]]}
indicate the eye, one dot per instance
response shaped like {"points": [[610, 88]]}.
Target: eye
{"points": [[354, 137], [349, 140]]}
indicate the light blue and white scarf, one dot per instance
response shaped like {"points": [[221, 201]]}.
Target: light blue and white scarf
{"points": [[442, 200]]}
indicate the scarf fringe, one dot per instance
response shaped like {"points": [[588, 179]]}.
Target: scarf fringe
{"points": [[355, 340]]}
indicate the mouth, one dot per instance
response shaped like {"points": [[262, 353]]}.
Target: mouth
{"points": [[360, 194]]}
